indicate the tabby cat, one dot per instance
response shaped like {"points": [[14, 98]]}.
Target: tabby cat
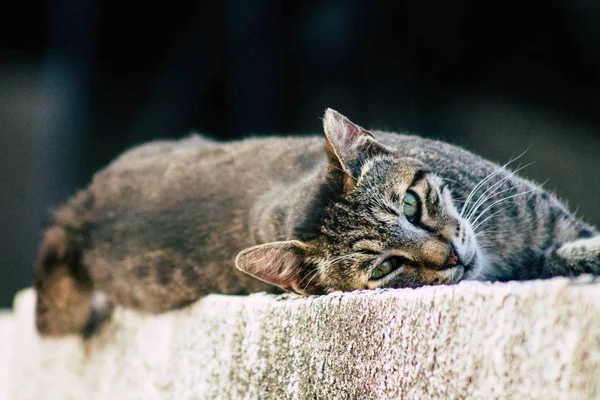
{"points": [[169, 221]]}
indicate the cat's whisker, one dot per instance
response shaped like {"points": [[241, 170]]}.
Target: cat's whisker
{"points": [[483, 235], [489, 227], [487, 218], [345, 257], [312, 276], [454, 181], [484, 240], [329, 264], [472, 214], [458, 199], [307, 277], [493, 228], [486, 243], [476, 188], [495, 187], [483, 200], [345, 172], [379, 199], [486, 179], [504, 199], [483, 197]]}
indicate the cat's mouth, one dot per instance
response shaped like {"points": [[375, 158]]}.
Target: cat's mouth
{"points": [[465, 269], [453, 274], [459, 271]]}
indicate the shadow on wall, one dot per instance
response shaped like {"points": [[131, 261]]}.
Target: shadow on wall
{"points": [[82, 82]]}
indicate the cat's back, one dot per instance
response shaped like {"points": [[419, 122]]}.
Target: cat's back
{"points": [[161, 174], [166, 174], [196, 150]]}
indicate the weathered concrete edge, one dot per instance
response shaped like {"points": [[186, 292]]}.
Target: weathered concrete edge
{"points": [[476, 340], [7, 322]]}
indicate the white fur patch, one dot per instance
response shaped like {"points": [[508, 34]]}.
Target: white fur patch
{"points": [[580, 247]]}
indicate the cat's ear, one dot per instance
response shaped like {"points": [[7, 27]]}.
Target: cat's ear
{"points": [[348, 146], [284, 264]]}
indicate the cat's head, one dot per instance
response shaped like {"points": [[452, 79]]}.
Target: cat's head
{"points": [[390, 223]]}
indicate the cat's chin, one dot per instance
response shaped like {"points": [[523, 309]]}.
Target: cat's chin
{"points": [[474, 270], [461, 272], [454, 274]]}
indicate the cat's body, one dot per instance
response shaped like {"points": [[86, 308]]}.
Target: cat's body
{"points": [[162, 225]]}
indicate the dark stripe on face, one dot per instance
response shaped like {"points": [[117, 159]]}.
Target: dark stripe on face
{"points": [[419, 176], [363, 238], [428, 228], [432, 198], [427, 194]]}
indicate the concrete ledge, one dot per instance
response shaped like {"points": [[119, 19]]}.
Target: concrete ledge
{"points": [[475, 340], [6, 340]]}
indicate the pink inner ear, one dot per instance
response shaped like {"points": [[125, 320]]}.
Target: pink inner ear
{"points": [[351, 133], [278, 275], [344, 130], [279, 263], [348, 145]]}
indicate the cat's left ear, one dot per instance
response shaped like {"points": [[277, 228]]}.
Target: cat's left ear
{"points": [[284, 264], [348, 146]]}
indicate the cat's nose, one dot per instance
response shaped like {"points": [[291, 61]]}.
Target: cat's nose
{"points": [[452, 258]]}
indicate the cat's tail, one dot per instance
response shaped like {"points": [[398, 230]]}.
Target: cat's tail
{"points": [[64, 289], [66, 302]]}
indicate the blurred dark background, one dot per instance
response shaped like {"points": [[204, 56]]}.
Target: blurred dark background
{"points": [[81, 81]]}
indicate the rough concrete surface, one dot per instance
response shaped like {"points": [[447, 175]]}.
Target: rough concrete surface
{"points": [[6, 339], [537, 339]]}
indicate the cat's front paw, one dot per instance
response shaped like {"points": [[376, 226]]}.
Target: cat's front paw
{"points": [[580, 256]]}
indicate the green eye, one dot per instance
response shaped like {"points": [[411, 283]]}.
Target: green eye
{"points": [[411, 207], [386, 267]]}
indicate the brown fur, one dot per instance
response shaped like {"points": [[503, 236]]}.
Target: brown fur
{"points": [[64, 290], [168, 222]]}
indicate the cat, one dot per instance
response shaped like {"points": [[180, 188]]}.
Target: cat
{"points": [[169, 221]]}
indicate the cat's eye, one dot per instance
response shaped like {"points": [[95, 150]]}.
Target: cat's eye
{"points": [[411, 207], [388, 265]]}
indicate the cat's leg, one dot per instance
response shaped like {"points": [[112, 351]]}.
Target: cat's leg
{"points": [[572, 258], [151, 281], [75, 293], [64, 291]]}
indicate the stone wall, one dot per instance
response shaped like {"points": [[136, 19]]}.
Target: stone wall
{"points": [[537, 339], [6, 340]]}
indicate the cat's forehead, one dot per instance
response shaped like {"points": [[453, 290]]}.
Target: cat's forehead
{"points": [[397, 173]]}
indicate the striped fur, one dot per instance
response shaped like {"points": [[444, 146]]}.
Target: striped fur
{"points": [[169, 222]]}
